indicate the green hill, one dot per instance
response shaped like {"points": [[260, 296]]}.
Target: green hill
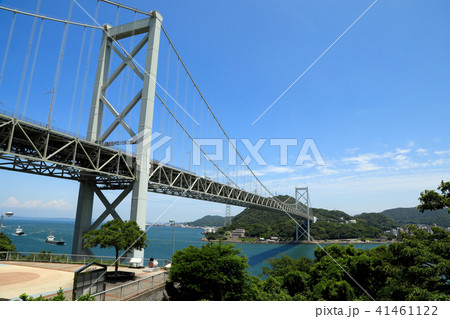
{"points": [[377, 220], [208, 220], [330, 214], [367, 225], [331, 224], [411, 215]]}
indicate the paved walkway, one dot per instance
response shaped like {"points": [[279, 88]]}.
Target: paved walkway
{"points": [[37, 278]]}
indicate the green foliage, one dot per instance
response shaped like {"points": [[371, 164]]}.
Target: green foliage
{"points": [[330, 214], [334, 230], [284, 264], [415, 268], [215, 236], [272, 290], [420, 262], [295, 282], [412, 215], [6, 244], [208, 221], [216, 271], [432, 200], [331, 290], [58, 297], [261, 223], [376, 220], [118, 234]]}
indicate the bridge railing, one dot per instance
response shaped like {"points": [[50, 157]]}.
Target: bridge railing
{"points": [[69, 258], [133, 289], [29, 120]]}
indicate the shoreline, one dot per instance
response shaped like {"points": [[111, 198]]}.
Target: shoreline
{"points": [[302, 242]]}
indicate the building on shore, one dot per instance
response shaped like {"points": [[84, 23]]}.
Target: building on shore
{"points": [[238, 233]]}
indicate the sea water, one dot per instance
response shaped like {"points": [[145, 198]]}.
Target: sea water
{"points": [[159, 245]]}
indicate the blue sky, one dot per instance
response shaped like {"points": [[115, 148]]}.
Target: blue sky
{"points": [[376, 104]]}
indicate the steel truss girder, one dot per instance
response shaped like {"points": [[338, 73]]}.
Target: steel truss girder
{"points": [[31, 148], [168, 180], [35, 149]]}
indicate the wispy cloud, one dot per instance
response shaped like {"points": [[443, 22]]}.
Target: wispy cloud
{"points": [[422, 152], [277, 169], [366, 162], [57, 204]]}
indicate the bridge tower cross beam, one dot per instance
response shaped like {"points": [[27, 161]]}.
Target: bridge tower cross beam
{"points": [[151, 27], [302, 202]]}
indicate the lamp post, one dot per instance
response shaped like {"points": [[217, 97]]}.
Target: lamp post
{"points": [[172, 222], [7, 214]]}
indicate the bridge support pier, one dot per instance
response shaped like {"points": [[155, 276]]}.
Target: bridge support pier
{"points": [[83, 218], [302, 202], [142, 139]]}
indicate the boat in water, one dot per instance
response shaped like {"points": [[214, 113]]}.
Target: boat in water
{"points": [[19, 231], [51, 240]]}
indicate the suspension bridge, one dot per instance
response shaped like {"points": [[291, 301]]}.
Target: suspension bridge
{"points": [[143, 98]]}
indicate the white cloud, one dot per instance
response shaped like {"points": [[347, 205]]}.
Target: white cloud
{"points": [[370, 181], [363, 162], [351, 150], [278, 169], [422, 151], [212, 210], [59, 204], [327, 170]]}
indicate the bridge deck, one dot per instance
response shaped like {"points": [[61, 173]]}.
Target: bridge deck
{"points": [[32, 148]]}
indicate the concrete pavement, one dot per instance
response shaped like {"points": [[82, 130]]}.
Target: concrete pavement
{"points": [[39, 278]]}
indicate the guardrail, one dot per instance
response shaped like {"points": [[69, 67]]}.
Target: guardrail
{"points": [[132, 289], [69, 258]]}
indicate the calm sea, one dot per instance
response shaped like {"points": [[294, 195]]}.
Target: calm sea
{"points": [[159, 245]]}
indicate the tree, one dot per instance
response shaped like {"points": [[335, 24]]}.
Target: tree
{"points": [[418, 267], [6, 244], [216, 271], [58, 297], [432, 200], [118, 234]]}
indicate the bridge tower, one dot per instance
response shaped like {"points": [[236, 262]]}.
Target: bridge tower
{"points": [[151, 28], [302, 202], [227, 215]]}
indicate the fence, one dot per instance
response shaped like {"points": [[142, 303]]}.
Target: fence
{"points": [[132, 289], [69, 258]]}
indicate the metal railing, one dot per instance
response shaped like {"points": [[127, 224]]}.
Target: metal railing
{"points": [[132, 289], [43, 125], [69, 258]]}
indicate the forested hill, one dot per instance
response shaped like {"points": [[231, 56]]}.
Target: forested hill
{"points": [[411, 215], [331, 224], [208, 220]]}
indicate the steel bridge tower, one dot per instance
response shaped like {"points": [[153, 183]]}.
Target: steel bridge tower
{"points": [[151, 27], [302, 202], [227, 215]]}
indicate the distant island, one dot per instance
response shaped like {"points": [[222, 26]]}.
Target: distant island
{"points": [[256, 225]]}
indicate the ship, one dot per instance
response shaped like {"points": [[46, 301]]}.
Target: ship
{"points": [[51, 240], [19, 231]]}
